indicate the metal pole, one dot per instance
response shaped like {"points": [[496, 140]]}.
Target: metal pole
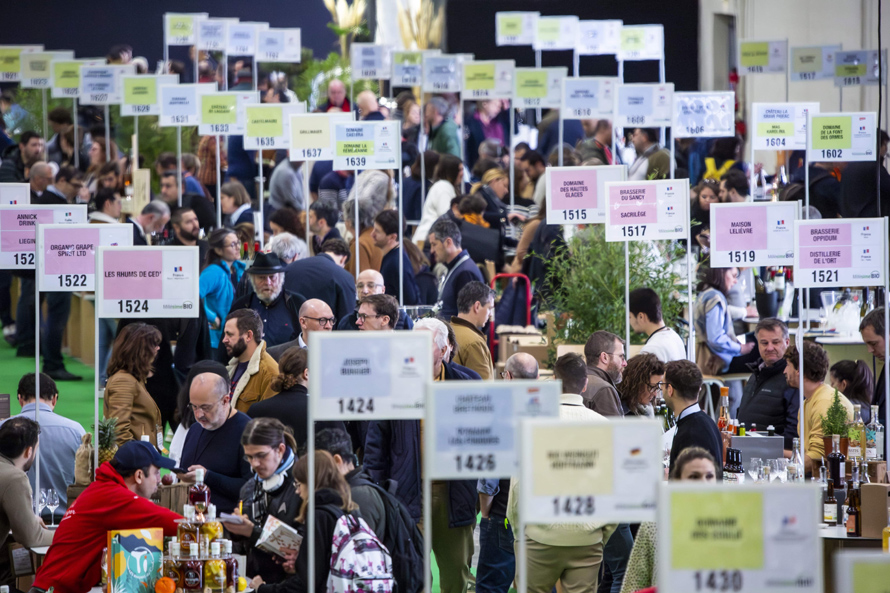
{"points": [[134, 164], [36, 378], [225, 76], [673, 144], [401, 236], [690, 341], [560, 125], [45, 129], [806, 173], [751, 169], [107, 136], [179, 166], [76, 135], [306, 199], [886, 335], [261, 198], [356, 230], [218, 184], [310, 516], [538, 66], [798, 341], [96, 384], [787, 70], [421, 146], [463, 143], [627, 298], [427, 533], [576, 63], [512, 154]]}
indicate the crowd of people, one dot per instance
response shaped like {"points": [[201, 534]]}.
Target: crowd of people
{"points": [[227, 391]]}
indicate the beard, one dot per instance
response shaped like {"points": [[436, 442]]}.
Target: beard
{"points": [[614, 371], [188, 236], [237, 349], [268, 298], [29, 463]]}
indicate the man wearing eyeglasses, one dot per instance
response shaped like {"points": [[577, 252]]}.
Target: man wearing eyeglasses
{"points": [[604, 352], [377, 312], [214, 441], [315, 315], [68, 184], [370, 282]]}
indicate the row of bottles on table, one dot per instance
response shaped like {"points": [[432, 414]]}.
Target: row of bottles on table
{"points": [[664, 414], [215, 572], [733, 469], [866, 441]]}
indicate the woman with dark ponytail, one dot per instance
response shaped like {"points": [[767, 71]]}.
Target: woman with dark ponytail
{"points": [[271, 451], [854, 379]]}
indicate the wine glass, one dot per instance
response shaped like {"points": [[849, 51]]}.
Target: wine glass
{"points": [[778, 468], [42, 502], [754, 467], [52, 501]]}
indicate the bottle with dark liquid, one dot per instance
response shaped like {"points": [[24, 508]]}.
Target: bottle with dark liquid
{"points": [[193, 572], [199, 493], [231, 564], [854, 511], [837, 467]]}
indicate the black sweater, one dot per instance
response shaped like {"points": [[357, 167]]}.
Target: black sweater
{"points": [[698, 430]]}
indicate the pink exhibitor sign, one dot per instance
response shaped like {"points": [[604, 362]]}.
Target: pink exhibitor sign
{"points": [[841, 252], [133, 275], [633, 205]]}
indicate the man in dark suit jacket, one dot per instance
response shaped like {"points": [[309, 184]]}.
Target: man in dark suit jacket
{"points": [[682, 382], [323, 277]]}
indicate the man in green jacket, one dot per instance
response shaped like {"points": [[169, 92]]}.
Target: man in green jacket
{"points": [[442, 130]]}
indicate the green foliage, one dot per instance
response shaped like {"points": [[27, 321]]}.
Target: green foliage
{"points": [[835, 419], [31, 100], [587, 280], [312, 83]]}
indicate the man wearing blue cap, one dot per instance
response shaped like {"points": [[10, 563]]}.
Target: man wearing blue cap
{"points": [[118, 499]]}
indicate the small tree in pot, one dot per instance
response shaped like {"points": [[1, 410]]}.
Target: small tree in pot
{"points": [[834, 422]]}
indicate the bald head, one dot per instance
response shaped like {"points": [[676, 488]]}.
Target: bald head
{"points": [[41, 176], [336, 93], [367, 102], [521, 365], [369, 282], [315, 315]]}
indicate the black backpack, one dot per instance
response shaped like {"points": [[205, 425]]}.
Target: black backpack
{"points": [[795, 191], [403, 540]]}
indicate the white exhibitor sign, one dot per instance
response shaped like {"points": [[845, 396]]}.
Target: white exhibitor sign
{"points": [[367, 145], [647, 210], [838, 137], [577, 195], [18, 230], [644, 105], [839, 252], [312, 135], [67, 260], [746, 234], [538, 87], [781, 126], [588, 97], [181, 103], [703, 115], [515, 28]]}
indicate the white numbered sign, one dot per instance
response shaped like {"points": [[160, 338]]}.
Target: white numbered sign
{"points": [[641, 42], [211, 35], [842, 137], [854, 68], [146, 282], [36, 67], [644, 105], [18, 230], [488, 80], [763, 57], [369, 375], [861, 571], [596, 38], [367, 145], [595, 471], [64, 77], [180, 29], [556, 32], [781, 126], [268, 125], [647, 210], [181, 103], [11, 61], [279, 45], [241, 38], [590, 97], [441, 74], [813, 63], [407, 66], [140, 93], [703, 115], [312, 135], [370, 61], [515, 28], [68, 253], [224, 114], [840, 252], [577, 195], [472, 427], [753, 234], [15, 193], [102, 85], [538, 87]]}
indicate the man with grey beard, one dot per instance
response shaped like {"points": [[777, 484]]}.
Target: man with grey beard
{"points": [[278, 308]]}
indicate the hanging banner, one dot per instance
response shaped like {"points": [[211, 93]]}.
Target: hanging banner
{"points": [[65, 77], [744, 539], [279, 45], [18, 230], [745, 233], [605, 471], [67, 260], [370, 61], [211, 34], [644, 105], [781, 126], [515, 28], [267, 125], [140, 93], [647, 210], [181, 103], [555, 33], [840, 252], [141, 282], [441, 74], [101, 85], [641, 42], [861, 571], [597, 38], [488, 80], [471, 428], [842, 137], [179, 28], [224, 114], [366, 145], [539, 87], [241, 38], [763, 57], [15, 193], [854, 68], [369, 375], [11, 61], [311, 135], [36, 67], [577, 195], [813, 63], [588, 97], [703, 115]]}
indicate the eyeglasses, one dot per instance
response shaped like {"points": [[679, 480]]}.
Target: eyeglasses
{"points": [[372, 285], [620, 355], [259, 457], [232, 244], [206, 408], [654, 388], [663, 384], [364, 316], [323, 321]]}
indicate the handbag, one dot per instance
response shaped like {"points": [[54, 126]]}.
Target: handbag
{"points": [[708, 362]]}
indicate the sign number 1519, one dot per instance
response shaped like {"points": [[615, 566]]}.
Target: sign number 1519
{"points": [[741, 257]]}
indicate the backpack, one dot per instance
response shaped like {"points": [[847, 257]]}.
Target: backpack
{"points": [[359, 561], [403, 540], [795, 191]]}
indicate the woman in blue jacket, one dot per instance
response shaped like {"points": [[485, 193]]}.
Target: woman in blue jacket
{"points": [[221, 273]]}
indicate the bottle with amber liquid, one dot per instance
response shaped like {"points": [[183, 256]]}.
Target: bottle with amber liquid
{"points": [[829, 506], [211, 530], [723, 421], [199, 493], [193, 572], [187, 532], [214, 571], [172, 564], [231, 564], [854, 511]]}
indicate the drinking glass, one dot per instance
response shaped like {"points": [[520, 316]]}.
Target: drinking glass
{"points": [[754, 467], [52, 501], [778, 469], [763, 476], [42, 502]]}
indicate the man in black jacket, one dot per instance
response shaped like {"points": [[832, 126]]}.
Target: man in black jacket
{"points": [[872, 331], [17, 160], [681, 386], [767, 399], [278, 308], [323, 277]]}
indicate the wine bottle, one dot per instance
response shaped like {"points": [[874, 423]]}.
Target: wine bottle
{"points": [[837, 462], [874, 437], [829, 507], [856, 434]]}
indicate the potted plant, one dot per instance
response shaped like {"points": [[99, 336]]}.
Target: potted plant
{"points": [[834, 422]]}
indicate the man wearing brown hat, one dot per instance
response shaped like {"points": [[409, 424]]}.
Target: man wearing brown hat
{"points": [[278, 308]]}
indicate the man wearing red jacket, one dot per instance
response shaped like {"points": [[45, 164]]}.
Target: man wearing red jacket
{"points": [[118, 499]]}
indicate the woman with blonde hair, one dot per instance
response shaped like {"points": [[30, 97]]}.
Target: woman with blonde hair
{"points": [[235, 204], [494, 186]]}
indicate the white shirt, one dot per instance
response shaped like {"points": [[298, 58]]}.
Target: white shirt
{"points": [[690, 410], [666, 345], [438, 202]]}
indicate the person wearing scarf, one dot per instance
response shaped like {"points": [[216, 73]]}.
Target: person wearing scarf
{"points": [[270, 449]]}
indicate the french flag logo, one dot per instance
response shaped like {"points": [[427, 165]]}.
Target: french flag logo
{"points": [[177, 269], [780, 222], [409, 360], [670, 208], [13, 202], [865, 251], [865, 228], [861, 128]]}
